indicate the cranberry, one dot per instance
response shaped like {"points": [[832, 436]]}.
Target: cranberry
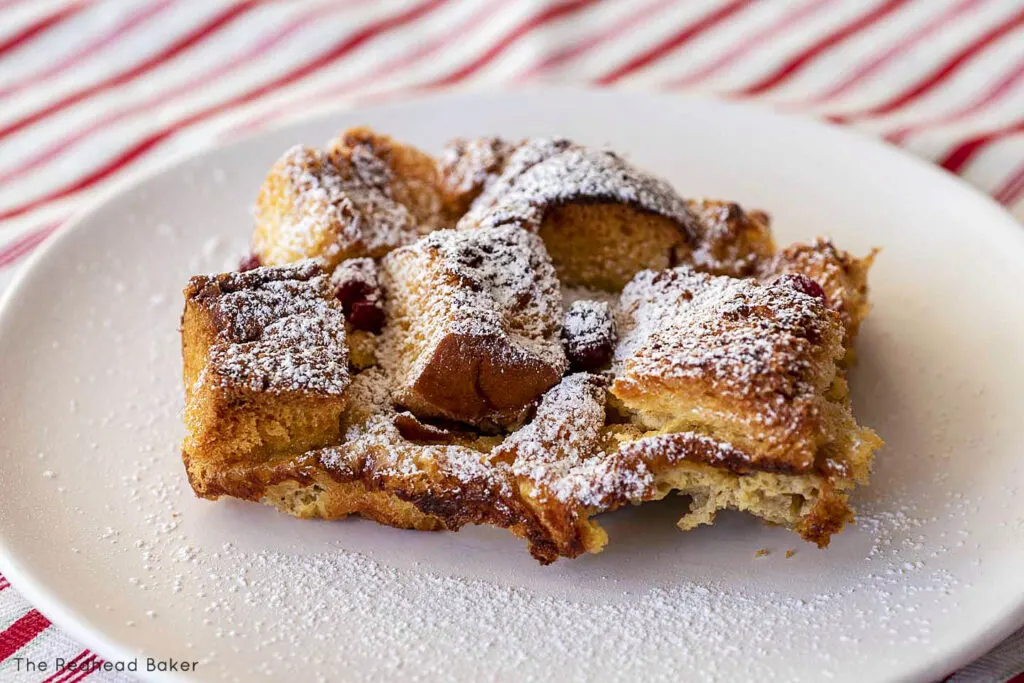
{"points": [[357, 289], [365, 315], [250, 262], [802, 283], [589, 357], [351, 292], [588, 335]]}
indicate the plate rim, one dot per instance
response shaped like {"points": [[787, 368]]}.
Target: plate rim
{"points": [[77, 625]]}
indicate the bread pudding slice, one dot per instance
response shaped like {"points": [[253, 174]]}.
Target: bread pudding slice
{"points": [[583, 340]]}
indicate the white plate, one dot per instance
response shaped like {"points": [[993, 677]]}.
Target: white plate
{"points": [[100, 530]]}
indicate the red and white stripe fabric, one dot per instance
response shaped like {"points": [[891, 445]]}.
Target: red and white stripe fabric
{"points": [[91, 92]]}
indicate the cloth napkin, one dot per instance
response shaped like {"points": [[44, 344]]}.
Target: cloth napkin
{"points": [[91, 92]]}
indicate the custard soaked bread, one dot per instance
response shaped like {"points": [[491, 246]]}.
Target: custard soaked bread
{"points": [[753, 364], [602, 219], [265, 367], [522, 334], [473, 323], [753, 369], [364, 196]]}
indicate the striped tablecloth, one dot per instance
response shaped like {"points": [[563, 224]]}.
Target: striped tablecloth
{"points": [[93, 91]]}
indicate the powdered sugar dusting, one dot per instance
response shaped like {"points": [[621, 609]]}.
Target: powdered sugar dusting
{"points": [[745, 338], [282, 605], [588, 331], [297, 353], [589, 322], [280, 329], [681, 446], [318, 205], [376, 449], [315, 204], [467, 167], [383, 222], [561, 451], [542, 173], [505, 273], [494, 286]]}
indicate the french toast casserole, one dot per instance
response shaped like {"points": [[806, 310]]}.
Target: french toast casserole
{"points": [[523, 334]]}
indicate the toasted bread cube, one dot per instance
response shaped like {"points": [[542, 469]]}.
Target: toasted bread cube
{"points": [[602, 219], [751, 364], [730, 241], [364, 196], [842, 277], [303, 211], [466, 167], [473, 323], [402, 172], [265, 366]]}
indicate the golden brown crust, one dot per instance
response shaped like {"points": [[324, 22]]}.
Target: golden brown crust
{"points": [[386, 487], [730, 241], [467, 166], [265, 364], [464, 379], [365, 196], [300, 486], [828, 517], [662, 450], [411, 175], [473, 325], [842, 276], [749, 363]]}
